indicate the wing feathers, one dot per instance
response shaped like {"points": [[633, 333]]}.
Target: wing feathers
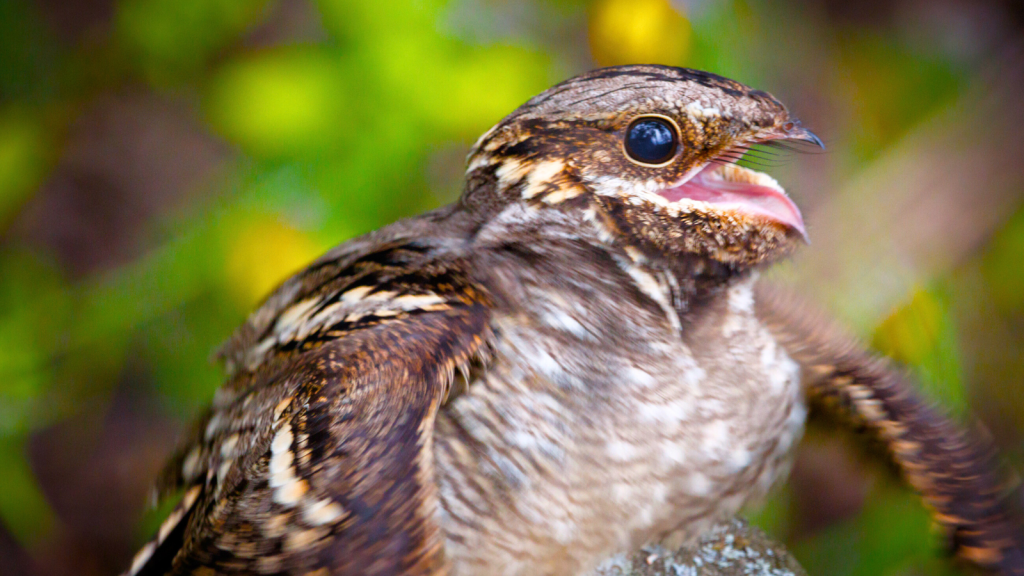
{"points": [[956, 473], [316, 455]]}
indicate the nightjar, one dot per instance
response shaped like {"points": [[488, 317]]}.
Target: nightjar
{"points": [[570, 361]]}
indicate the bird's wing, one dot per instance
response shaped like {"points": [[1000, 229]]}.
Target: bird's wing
{"points": [[315, 458], [955, 472]]}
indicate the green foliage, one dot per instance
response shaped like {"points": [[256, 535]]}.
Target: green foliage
{"points": [[298, 96], [28, 53], [22, 504], [922, 335], [1001, 266], [890, 537], [23, 159], [35, 307], [172, 40]]}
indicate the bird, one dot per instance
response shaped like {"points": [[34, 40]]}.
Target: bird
{"points": [[572, 360]]}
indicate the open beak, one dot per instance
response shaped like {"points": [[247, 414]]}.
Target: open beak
{"points": [[728, 187]]}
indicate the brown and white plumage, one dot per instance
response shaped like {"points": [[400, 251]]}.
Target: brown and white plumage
{"points": [[565, 364]]}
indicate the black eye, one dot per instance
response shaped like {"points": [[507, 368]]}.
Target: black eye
{"points": [[651, 140]]}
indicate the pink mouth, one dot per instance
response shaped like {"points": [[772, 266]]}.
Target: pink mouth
{"points": [[732, 187]]}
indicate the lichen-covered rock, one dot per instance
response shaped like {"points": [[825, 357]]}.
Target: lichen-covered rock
{"points": [[734, 548]]}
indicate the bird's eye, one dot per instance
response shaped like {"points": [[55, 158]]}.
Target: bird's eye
{"points": [[651, 140]]}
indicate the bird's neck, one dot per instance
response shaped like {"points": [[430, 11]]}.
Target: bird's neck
{"points": [[691, 281], [497, 202], [682, 281]]}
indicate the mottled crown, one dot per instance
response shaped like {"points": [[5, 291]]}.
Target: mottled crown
{"points": [[625, 88]]}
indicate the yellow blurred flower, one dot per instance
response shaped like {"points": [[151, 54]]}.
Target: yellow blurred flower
{"points": [[638, 32], [260, 254]]}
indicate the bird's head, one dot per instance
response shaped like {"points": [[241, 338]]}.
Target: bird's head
{"points": [[648, 153]]}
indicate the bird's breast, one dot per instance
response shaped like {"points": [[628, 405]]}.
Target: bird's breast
{"points": [[598, 426]]}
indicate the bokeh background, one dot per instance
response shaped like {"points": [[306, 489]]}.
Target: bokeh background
{"points": [[164, 163]]}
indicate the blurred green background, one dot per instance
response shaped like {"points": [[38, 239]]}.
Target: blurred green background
{"points": [[164, 163]]}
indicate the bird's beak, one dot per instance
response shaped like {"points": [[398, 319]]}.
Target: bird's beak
{"points": [[794, 131]]}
